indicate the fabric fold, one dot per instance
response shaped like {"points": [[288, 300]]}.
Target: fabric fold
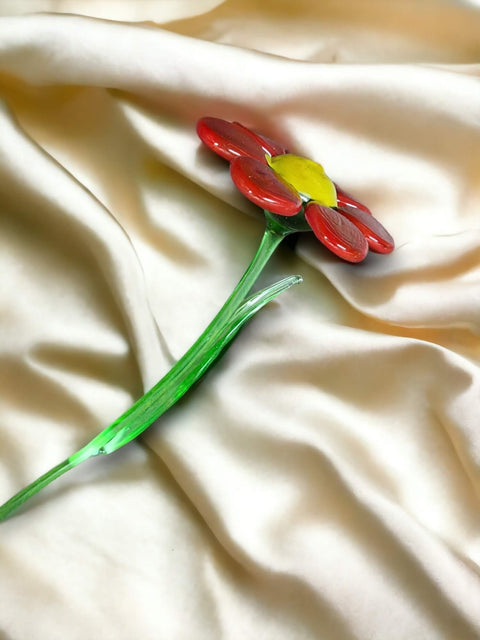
{"points": [[323, 480]]}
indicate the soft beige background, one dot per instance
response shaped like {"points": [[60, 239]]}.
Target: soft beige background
{"points": [[323, 481]]}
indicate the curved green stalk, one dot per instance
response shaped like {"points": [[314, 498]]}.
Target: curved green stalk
{"points": [[136, 419], [189, 369]]}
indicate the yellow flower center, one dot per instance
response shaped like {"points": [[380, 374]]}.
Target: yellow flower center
{"points": [[306, 176]]}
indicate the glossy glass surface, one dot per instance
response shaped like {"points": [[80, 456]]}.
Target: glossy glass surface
{"points": [[229, 139], [378, 238], [346, 200], [336, 232], [273, 147], [264, 187], [306, 176]]}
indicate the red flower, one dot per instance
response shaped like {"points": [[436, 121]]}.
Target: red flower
{"points": [[289, 185]]}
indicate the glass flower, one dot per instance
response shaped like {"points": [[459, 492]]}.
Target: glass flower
{"points": [[288, 185], [296, 195]]}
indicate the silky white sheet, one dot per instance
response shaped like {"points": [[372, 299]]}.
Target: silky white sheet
{"points": [[323, 480]]}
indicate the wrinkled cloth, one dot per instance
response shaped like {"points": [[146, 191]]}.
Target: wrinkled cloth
{"points": [[323, 479]]}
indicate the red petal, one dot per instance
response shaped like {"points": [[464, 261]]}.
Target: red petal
{"points": [[336, 232], [344, 199], [261, 185], [378, 238], [229, 139], [274, 148]]}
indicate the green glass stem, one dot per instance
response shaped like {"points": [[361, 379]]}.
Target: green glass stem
{"points": [[236, 311]]}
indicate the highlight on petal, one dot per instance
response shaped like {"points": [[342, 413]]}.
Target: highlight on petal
{"points": [[336, 232], [261, 185], [307, 176], [378, 238], [269, 146], [274, 148], [344, 199], [230, 139]]}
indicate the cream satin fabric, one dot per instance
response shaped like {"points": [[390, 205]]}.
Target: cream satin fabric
{"points": [[323, 481]]}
